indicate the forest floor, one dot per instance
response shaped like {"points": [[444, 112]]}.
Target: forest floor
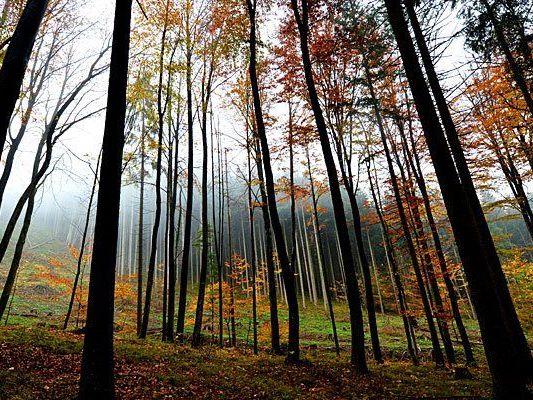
{"points": [[40, 361], [43, 363]]}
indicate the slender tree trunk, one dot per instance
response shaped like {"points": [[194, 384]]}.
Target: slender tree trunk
{"points": [[184, 276], [375, 269], [358, 358], [233, 331], [365, 267], [82, 245], [172, 239], [161, 109], [428, 268], [452, 295], [196, 337], [286, 269], [140, 237], [97, 368], [253, 261], [437, 352], [220, 248]]}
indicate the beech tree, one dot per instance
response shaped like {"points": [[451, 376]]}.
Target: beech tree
{"points": [[283, 257], [506, 349], [358, 359], [97, 370]]}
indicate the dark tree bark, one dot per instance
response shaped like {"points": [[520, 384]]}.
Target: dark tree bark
{"points": [[253, 266], [220, 244], [287, 270], [161, 110], [347, 177], [231, 278], [358, 358], [172, 273], [16, 60], [97, 375], [184, 276], [505, 346], [485, 239], [204, 258]]}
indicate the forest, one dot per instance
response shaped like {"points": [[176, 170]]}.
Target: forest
{"points": [[257, 199]]}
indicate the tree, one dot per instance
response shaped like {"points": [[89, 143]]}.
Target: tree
{"points": [[16, 60], [162, 103], [358, 359], [283, 257], [504, 348], [184, 276], [500, 26], [97, 370]]}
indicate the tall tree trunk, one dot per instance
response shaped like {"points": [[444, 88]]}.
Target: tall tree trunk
{"points": [[286, 269], [184, 276], [206, 93], [16, 60], [253, 265], [233, 331], [97, 372], [161, 109], [172, 239], [220, 247], [365, 267], [358, 358], [422, 243], [140, 237], [504, 342]]}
